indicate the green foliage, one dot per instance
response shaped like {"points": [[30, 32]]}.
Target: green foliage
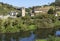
{"points": [[32, 27], [28, 23], [52, 4], [6, 8], [57, 39], [51, 38], [51, 11], [41, 40], [28, 9], [19, 14]]}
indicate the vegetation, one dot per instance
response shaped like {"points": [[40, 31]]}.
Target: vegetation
{"points": [[6, 8], [57, 2], [28, 23], [41, 40], [47, 23], [51, 38], [51, 11]]}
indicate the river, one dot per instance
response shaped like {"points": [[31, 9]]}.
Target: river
{"points": [[21, 36]]}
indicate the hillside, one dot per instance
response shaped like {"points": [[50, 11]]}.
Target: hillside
{"points": [[57, 2], [6, 8]]}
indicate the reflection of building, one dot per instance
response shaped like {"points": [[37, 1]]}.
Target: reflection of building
{"points": [[41, 9]]}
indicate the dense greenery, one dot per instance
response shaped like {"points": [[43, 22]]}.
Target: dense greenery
{"points": [[29, 23]]}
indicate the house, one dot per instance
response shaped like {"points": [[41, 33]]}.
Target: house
{"points": [[13, 13], [42, 9], [58, 10]]}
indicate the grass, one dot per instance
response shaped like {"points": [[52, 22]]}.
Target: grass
{"points": [[57, 39], [41, 40]]}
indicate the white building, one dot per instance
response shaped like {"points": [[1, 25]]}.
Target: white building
{"points": [[23, 11], [13, 13]]}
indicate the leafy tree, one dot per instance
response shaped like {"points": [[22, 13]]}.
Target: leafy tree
{"points": [[52, 4], [51, 11], [19, 14]]}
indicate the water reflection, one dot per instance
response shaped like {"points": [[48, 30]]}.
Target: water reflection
{"points": [[25, 36], [43, 33], [3, 37], [58, 33], [31, 38]]}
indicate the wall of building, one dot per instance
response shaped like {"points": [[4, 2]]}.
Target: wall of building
{"points": [[23, 11]]}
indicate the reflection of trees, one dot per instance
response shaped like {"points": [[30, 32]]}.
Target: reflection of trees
{"points": [[0, 37], [10, 36], [44, 32], [25, 34], [14, 36]]}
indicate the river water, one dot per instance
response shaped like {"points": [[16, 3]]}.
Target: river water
{"points": [[22, 36], [25, 36]]}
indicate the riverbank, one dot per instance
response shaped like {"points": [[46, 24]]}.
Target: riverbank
{"points": [[50, 39]]}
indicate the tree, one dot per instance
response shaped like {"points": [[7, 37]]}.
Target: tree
{"points": [[51, 11], [57, 2], [52, 4], [19, 14]]}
